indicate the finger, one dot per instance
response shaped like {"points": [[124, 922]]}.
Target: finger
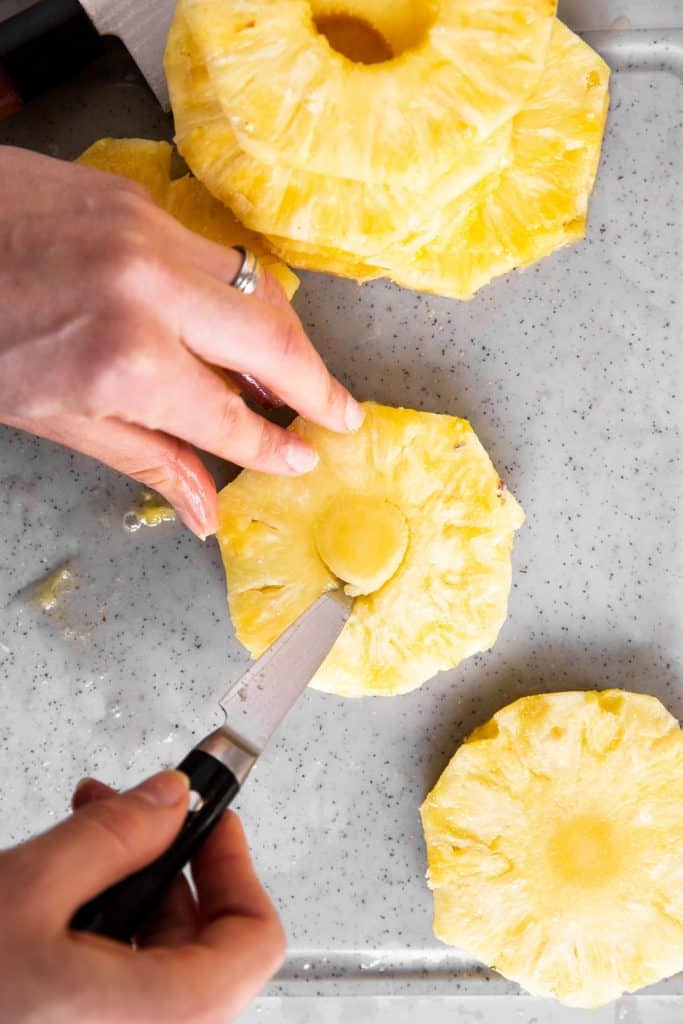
{"points": [[239, 948], [157, 460], [101, 843], [235, 331], [226, 883], [220, 261], [239, 333], [87, 791], [162, 386], [175, 921]]}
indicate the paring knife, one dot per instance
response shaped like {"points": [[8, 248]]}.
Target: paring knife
{"points": [[53, 39], [219, 765]]}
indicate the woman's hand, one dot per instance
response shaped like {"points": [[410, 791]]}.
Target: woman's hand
{"points": [[199, 962], [110, 311]]}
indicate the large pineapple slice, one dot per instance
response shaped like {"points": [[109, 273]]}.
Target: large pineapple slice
{"points": [[186, 199], [555, 845], [324, 212], [540, 201], [408, 514], [458, 71]]}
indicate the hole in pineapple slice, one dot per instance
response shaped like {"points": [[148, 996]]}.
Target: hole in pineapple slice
{"points": [[354, 38], [584, 851], [373, 31], [362, 541]]}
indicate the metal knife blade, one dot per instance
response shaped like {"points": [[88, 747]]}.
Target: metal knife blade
{"points": [[219, 765], [258, 702], [143, 26]]}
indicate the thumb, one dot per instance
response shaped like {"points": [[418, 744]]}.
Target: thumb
{"points": [[103, 842]]}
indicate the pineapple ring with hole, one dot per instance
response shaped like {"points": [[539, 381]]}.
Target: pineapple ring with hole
{"points": [[460, 71], [149, 164], [322, 211], [447, 598], [555, 845], [540, 201]]}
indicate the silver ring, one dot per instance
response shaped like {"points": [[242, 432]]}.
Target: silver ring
{"points": [[247, 278]]}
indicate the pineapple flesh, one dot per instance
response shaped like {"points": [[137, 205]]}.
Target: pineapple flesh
{"points": [[441, 185], [540, 201], [149, 164], [324, 212], [555, 845], [458, 71], [409, 515]]}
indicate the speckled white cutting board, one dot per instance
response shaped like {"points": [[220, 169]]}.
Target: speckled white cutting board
{"points": [[570, 374]]}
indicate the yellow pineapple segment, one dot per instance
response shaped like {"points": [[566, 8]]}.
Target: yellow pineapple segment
{"points": [[433, 528], [459, 71], [186, 199], [142, 160], [323, 212], [555, 845], [540, 201]]}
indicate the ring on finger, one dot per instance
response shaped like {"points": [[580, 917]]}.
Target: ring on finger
{"points": [[247, 278]]}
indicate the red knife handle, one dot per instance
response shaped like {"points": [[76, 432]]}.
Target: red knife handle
{"points": [[42, 46]]}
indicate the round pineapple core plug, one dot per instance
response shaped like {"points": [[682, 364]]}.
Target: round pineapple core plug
{"points": [[362, 541]]}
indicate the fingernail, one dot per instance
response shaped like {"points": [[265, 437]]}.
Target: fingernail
{"points": [[201, 525], [165, 789], [355, 415], [301, 458], [83, 786]]}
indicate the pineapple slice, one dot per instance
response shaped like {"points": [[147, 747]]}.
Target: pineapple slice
{"points": [[540, 201], [186, 199], [409, 514], [554, 842], [323, 212], [459, 70], [142, 160]]}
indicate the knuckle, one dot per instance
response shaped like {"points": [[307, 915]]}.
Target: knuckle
{"points": [[120, 259], [268, 444], [291, 340], [122, 366], [231, 415], [159, 475], [116, 821]]}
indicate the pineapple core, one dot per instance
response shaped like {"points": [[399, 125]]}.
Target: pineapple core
{"points": [[362, 541], [584, 851]]}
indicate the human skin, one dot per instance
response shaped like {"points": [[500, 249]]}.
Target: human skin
{"points": [[111, 311], [199, 961]]}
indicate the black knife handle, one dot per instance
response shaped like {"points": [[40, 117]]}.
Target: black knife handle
{"points": [[121, 911], [42, 46]]}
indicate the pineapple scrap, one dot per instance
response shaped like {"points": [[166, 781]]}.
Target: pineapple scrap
{"points": [[149, 164], [555, 845], [409, 515], [439, 144]]}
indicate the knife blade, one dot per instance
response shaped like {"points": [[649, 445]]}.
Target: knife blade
{"points": [[142, 25], [217, 767], [53, 39]]}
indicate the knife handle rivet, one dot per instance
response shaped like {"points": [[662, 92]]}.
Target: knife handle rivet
{"points": [[196, 802]]}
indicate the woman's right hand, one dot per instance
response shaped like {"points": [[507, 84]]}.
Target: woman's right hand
{"points": [[110, 312]]}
